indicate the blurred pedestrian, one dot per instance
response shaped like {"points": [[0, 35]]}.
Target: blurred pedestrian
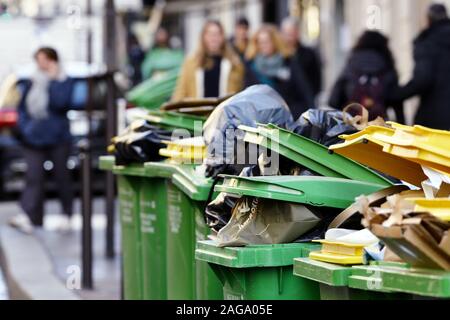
{"points": [[161, 57], [369, 78], [135, 58], [214, 70], [44, 132], [431, 77], [240, 39], [268, 62], [306, 57]]}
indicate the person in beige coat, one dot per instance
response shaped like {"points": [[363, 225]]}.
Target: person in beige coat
{"points": [[214, 70]]}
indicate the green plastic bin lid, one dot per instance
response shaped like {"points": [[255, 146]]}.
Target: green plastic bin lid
{"points": [[185, 176], [310, 154], [176, 120], [312, 190], [423, 282], [356, 277], [367, 278], [251, 256], [323, 272], [400, 277], [106, 163]]}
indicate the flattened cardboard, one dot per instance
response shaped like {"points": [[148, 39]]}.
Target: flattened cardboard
{"points": [[413, 245]]}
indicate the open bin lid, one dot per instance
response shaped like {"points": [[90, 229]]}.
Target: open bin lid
{"points": [[315, 191], [417, 144], [432, 140], [311, 154], [365, 148], [439, 207], [175, 120]]}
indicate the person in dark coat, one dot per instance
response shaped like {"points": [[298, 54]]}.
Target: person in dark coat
{"points": [[369, 78], [431, 77], [268, 62], [239, 40], [45, 133], [306, 58]]}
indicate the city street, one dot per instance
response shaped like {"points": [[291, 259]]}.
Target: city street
{"points": [[64, 249]]}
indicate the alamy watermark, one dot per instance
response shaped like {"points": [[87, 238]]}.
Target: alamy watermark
{"points": [[232, 146], [73, 280]]}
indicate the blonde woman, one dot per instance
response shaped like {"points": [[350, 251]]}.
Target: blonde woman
{"points": [[268, 62], [214, 70]]}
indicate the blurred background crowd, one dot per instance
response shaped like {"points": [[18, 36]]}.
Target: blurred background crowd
{"points": [[392, 57]]}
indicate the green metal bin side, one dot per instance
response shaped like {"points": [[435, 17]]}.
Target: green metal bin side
{"points": [[188, 191], [316, 191], [258, 272]]}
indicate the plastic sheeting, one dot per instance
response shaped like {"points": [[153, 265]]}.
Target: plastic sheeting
{"points": [[323, 126], [256, 104]]}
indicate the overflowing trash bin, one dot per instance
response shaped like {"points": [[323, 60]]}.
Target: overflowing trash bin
{"points": [[265, 271], [129, 187], [258, 272], [187, 193], [327, 209]]}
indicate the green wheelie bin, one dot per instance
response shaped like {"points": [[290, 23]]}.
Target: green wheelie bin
{"points": [[187, 193], [142, 193], [338, 282], [258, 272], [129, 179], [254, 272]]}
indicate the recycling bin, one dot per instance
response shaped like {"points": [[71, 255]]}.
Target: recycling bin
{"points": [[153, 227], [258, 272], [129, 180], [308, 190], [187, 279], [338, 282], [142, 193]]}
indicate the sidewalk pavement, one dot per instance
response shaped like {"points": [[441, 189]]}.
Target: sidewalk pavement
{"points": [[62, 252]]}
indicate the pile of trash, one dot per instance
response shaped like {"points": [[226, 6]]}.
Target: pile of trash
{"points": [[411, 222], [364, 190]]}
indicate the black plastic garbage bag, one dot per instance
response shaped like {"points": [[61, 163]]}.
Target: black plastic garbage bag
{"points": [[323, 126], [218, 212], [257, 104], [140, 143]]}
